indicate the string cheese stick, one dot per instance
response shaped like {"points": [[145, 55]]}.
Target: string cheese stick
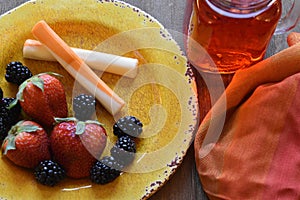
{"points": [[115, 64], [77, 68]]}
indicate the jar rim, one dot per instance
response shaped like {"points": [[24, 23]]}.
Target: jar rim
{"points": [[242, 6]]}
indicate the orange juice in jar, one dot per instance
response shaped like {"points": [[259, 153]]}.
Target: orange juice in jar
{"points": [[234, 33]]}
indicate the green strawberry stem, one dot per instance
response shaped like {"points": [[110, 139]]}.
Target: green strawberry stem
{"points": [[80, 128]]}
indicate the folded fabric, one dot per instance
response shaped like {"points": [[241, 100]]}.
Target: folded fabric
{"points": [[256, 152], [293, 38]]}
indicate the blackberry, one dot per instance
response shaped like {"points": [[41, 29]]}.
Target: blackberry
{"points": [[49, 173], [8, 117], [124, 150], [128, 125], [3, 129], [105, 170], [4, 112], [5, 122], [13, 112], [84, 106], [1, 93], [17, 73]]}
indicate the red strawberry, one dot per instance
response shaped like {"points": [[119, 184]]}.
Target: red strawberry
{"points": [[77, 145], [27, 144], [43, 97]]}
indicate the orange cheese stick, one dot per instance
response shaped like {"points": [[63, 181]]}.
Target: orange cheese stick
{"points": [[77, 68]]}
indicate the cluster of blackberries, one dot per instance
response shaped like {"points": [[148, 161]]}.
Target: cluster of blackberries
{"points": [[122, 154], [16, 73]]}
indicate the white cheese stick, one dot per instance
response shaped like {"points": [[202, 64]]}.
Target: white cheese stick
{"points": [[115, 64], [77, 68]]}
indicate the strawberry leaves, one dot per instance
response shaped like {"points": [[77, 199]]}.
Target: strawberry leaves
{"points": [[80, 125], [14, 132], [38, 82]]}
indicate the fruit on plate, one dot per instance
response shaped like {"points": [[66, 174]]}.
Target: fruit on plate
{"points": [[27, 144], [1, 93], [17, 73], [105, 170], [3, 129], [4, 121], [128, 125], [124, 150], [49, 173], [84, 106], [14, 112], [8, 117], [77, 145], [43, 98]]}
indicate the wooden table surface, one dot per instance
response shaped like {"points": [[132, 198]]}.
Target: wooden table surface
{"points": [[184, 184]]}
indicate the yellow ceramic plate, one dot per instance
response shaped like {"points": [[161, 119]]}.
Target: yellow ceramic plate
{"points": [[162, 96]]}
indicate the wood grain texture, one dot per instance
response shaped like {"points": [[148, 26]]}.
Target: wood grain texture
{"points": [[184, 184]]}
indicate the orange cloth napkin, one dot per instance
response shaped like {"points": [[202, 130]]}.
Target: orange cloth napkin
{"points": [[248, 145]]}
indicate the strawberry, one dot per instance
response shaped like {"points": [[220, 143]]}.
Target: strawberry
{"points": [[27, 144], [77, 145], [43, 97]]}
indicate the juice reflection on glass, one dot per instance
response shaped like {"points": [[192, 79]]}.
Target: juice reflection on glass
{"points": [[234, 33]]}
